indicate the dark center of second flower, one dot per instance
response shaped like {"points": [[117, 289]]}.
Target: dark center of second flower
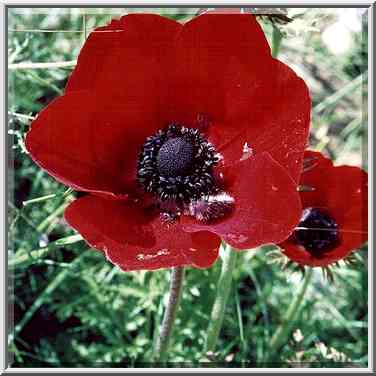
{"points": [[175, 157], [317, 231]]}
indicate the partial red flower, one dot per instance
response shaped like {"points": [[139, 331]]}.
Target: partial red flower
{"points": [[182, 135], [334, 221]]}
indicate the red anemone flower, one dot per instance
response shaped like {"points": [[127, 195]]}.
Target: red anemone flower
{"points": [[182, 135], [334, 221]]}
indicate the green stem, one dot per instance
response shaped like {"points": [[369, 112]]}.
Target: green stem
{"points": [[161, 349], [284, 328], [223, 291]]}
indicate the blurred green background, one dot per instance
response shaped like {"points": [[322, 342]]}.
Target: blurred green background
{"points": [[69, 307]]}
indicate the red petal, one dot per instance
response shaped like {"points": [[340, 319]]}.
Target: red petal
{"points": [[128, 58], [90, 141], [120, 221], [267, 205], [134, 241], [225, 71], [298, 253], [87, 144], [342, 189], [343, 192], [204, 50], [269, 111]]}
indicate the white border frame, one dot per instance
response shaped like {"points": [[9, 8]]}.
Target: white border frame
{"points": [[3, 76]]}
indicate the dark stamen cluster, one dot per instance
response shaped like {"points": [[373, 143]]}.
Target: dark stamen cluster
{"points": [[176, 164], [317, 231]]}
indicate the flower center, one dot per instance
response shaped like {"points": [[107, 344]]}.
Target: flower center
{"points": [[175, 157], [177, 164], [317, 231]]}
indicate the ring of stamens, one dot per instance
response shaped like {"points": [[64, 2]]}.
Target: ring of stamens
{"points": [[176, 164]]}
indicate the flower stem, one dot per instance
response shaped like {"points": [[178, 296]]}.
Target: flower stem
{"points": [[161, 349], [284, 328], [223, 291]]}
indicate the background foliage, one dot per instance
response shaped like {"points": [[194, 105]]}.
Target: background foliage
{"points": [[72, 308]]}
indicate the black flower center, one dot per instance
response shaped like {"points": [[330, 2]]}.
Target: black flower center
{"points": [[175, 157], [317, 231], [177, 164]]}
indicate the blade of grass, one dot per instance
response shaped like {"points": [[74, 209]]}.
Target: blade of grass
{"points": [[26, 118], [57, 212], [338, 95], [293, 311], [277, 37], [47, 197], [42, 298], [52, 65], [38, 253], [42, 31], [44, 82], [84, 27], [22, 215], [240, 322]]}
